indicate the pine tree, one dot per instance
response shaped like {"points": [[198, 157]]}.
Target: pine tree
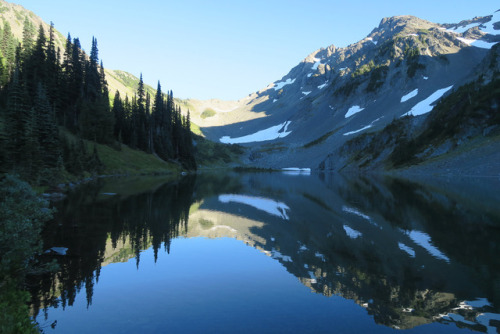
{"points": [[47, 130], [39, 58], [52, 66], [16, 118], [8, 49], [75, 86], [28, 39], [64, 82], [32, 160], [107, 120]]}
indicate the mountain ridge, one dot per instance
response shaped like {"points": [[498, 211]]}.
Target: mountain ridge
{"points": [[337, 93]]}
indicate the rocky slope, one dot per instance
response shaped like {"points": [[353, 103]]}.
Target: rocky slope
{"points": [[335, 94], [460, 135]]}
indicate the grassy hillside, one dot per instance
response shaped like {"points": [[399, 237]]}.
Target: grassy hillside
{"points": [[125, 160]]}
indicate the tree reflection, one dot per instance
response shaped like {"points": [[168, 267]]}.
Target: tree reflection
{"points": [[88, 222]]}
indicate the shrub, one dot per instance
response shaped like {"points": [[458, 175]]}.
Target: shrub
{"points": [[207, 113], [22, 215]]}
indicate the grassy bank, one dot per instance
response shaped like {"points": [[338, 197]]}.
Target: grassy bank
{"points": [[121, 159]]}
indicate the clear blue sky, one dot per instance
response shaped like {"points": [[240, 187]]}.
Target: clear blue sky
{"points": [[228, 48]]}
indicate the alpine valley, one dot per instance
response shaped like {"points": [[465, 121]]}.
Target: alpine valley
{"points": [[413, 95], [242, 245]]}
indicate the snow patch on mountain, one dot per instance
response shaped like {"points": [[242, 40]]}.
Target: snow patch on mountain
{"points": [[316, 64], [486, 28], [363, 128], [425, 106], [359, 130], [281, 84], [279, 256], [352, 233], [461, 30], [353, 110], [274, 132], [323, 85], [477, 43], [408, 96]]}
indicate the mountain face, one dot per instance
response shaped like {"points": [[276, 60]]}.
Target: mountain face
{"points": [[336, 94]]}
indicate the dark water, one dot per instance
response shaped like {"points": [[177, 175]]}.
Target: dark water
{"points": [[274, 253]]}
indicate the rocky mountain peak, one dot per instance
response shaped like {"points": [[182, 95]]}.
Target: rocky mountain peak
{"points": [[334, 94]]}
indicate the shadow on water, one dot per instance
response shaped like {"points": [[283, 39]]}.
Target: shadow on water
{"points": [[408, 253]]}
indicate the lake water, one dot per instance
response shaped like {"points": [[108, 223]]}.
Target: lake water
{"points": [[236, 252]]}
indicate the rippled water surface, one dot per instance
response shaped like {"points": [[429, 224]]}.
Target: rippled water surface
{"points": [[271, 252]]}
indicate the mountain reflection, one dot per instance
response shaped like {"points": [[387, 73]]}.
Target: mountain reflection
{"points": [[408, 253]]}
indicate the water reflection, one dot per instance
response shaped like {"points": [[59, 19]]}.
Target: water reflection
{"points": [[409, 254]]}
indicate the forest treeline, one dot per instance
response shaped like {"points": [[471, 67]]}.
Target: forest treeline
{"points": [[48, 93]]}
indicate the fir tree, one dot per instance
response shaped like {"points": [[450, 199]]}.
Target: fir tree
{"points": [[28, 38], [16, 118], [47, 130], [52, 66], [8, 49]]}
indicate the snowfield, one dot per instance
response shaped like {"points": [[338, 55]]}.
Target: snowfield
{"points": [[425, 106], [352, 233], [353, 110], [316, 64], [485, 28], [323, 85], [477, 43], [274, 132], [358, 130], [363, 128], [408, 96], [281, 84]]}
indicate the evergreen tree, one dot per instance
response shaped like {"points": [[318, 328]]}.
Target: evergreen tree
{"points": [[28, 39], [119, 118], [38, 60], [32, 160], [75, 86], [16, 118], [8, 49], [64, 83], [52, 66], [47, 130]]}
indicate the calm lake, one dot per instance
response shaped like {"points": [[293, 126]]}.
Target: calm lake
{"points": [[237, 252]]}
